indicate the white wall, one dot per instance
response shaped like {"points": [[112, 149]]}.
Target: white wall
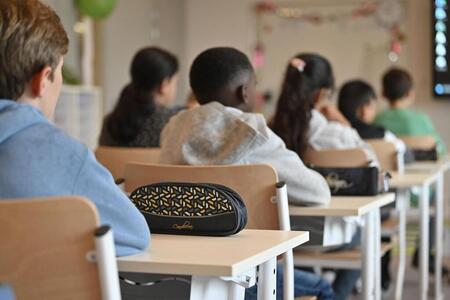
{"points": [[127, 30], [213, 23]]}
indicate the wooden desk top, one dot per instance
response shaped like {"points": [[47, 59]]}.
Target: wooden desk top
{"points": [[211, 256], [410, 179], [344, 206], [426, 166]]}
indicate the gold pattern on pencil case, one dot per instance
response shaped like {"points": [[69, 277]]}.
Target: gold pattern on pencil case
{"points": [[181, 201]]}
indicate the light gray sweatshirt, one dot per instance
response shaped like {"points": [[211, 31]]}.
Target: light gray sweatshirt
{"points": [[326, 135], [213, 134]]}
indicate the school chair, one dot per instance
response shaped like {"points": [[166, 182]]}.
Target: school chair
{"points": [[336, 158], [115, 158], [265, 198], [351, 259], [390, 161], [425, 142], [389, 158], [53, 248]]}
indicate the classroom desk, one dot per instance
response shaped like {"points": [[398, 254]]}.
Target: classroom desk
{"points": [[424, 180], [216, 263], [369, 209], [443, 164]]}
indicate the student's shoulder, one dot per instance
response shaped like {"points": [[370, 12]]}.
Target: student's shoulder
{"points": [[383, 114], [421, 115], [337, 129], [168, 112], [58, 142], [417, 117], [255, 121]]}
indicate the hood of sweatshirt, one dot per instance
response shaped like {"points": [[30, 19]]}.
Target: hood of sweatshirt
{"points": [[15, 117], [212, 134]]}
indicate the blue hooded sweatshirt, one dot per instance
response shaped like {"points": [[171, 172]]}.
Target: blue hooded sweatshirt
{"points": [[39, 160]]}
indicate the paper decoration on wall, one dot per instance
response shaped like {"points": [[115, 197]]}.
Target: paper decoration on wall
{"points": [[96, 9], [397, 39], [389, 14], [366, 9]]}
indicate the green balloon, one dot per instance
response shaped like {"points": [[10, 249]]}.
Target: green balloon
{"points": [[96, 9]]}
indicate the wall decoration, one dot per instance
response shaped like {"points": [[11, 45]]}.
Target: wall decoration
{"points": [[389, 14]]}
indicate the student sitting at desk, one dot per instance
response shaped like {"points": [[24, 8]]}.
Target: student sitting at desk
{"points": [[357, 102], [141, 111], [36, 158], [398, 89], [304, 119], [223, 131]]}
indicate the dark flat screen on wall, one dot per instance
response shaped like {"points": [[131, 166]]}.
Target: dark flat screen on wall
{"points": [[440, 49]]}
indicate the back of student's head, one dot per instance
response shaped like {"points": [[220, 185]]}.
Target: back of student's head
{"points": [[150, 70], [353, 95], [306, 76], [397, 84], [31, 38], [221, 74]]}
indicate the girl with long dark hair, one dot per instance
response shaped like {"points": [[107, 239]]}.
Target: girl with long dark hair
{"points": [[304, 119], [141, 111]]}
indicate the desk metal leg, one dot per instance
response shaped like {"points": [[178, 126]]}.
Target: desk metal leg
{"points": [[288, 276], [377, 252], [203, 287], [401, 208], [267, 280], [424, 207], [371, 263], [439, 236]]}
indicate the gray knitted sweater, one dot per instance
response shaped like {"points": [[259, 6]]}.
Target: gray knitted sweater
{"points": [[148, 136]]}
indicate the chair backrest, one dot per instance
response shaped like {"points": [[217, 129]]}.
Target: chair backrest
{"points": [[115, 158], [425, 142], [44, 245], [255, 183], [336, 158], [387, 154]]}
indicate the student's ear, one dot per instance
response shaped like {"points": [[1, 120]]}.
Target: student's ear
{"points": [[361, 112], [164, 86], [411, 95], [40, 81], [242, 94]]}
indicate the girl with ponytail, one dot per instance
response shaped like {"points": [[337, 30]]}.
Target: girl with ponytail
{"points": [[304, 117], [141, 112]]}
